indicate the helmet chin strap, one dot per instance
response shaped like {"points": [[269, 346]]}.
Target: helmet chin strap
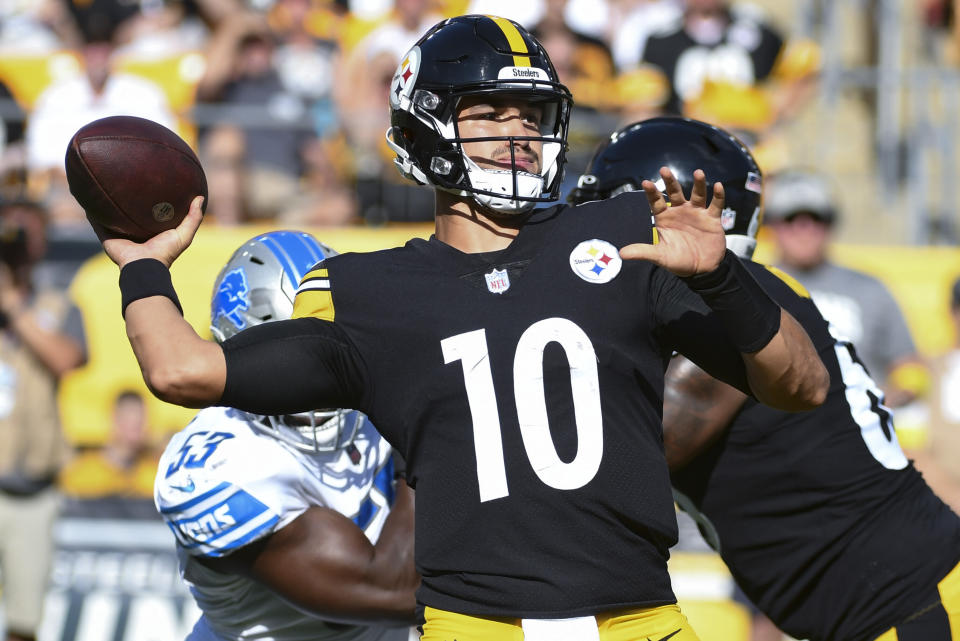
{"points": [[493, 181], [500, 181], [742, 246]]}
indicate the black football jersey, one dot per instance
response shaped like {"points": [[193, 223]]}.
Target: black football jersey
{"points": [[820, 517], [524, 388]]}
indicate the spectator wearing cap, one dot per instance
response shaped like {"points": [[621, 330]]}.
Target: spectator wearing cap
{"points": [[800, 207]]}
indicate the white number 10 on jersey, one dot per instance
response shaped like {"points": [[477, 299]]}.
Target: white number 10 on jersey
{"points": [[471, 350]]}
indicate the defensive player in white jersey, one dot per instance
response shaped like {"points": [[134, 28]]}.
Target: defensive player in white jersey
{"points": [[292, 527]]}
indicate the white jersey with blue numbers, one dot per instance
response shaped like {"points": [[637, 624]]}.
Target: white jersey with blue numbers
{"points": [[221, 484]]}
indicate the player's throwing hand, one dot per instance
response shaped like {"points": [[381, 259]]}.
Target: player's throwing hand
{"points": [[690, 238], [165, 246]]}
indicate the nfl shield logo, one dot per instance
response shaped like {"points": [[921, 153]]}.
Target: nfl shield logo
{"points": [[498, 281], [728, 218]]}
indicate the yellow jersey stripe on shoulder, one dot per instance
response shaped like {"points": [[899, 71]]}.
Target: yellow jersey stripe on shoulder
{"points": [[514, 39], [889, 635], [315, 279], [791, 282], [314, 298], [949, 589]]}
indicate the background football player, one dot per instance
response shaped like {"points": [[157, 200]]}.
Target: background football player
{"points": [[280, 520], [515, 359], [822, 520]]}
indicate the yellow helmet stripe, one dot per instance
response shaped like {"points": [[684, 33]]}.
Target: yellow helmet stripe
{"points": [[514, 39]]}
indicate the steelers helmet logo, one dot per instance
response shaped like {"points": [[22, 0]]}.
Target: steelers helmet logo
{"points": [[595, 261], [404, 79]]}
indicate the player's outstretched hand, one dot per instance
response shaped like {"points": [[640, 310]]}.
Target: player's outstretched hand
{"points": [[690, 237], [165, 246]]}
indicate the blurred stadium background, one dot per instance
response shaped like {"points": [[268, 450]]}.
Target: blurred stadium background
{"points": [[867, 91]]}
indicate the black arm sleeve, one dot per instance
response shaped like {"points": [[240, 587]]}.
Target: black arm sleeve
{"points": [[689, 326], [746, 310], [292, 366]]}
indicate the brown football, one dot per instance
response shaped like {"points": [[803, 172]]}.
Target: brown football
{"points": [[134, 177]]}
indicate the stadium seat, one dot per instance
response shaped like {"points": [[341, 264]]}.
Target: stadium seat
{"points": [[717, 620], [704, 590], [176, 75], [27, 76]]}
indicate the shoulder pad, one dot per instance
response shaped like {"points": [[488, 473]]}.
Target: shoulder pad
{"points": [[790, 281], [314, 296]]}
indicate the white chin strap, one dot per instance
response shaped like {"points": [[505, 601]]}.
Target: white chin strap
{"points": [[742, 246], [500, 181]]}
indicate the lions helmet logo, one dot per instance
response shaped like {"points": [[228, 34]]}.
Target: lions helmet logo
{"points": [[232, 298]]}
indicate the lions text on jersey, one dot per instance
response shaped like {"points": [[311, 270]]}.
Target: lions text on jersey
{"points": [[222, 484]]}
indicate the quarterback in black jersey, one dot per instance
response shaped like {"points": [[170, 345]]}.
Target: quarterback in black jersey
{"points": [[822, 520], [515, 359]]}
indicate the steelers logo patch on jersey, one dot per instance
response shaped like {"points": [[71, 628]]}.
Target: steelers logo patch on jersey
{"points": [[404, 79], [595, 261]]}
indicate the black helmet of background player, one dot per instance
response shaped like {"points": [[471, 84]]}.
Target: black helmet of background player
{"points": [[476, 56], [637, 152]]}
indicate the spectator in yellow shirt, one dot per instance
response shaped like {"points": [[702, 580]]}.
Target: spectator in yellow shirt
{"points": [[125, 466]]}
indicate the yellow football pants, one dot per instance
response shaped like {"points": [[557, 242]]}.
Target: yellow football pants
{"points": [[939, 622], [664, 623]]}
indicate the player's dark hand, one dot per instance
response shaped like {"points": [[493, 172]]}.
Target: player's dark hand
{"points": [[690, 239], [165, 246]]}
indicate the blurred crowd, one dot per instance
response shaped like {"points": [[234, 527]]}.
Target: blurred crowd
{"points": [[285, 103], [285, 99]]}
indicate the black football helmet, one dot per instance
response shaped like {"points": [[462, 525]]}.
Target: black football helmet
{"points": [[636, 152], [470, 56]]}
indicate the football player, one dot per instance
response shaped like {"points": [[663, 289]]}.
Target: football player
{"points": [[824, 523], [289, 526], [515, 359]]}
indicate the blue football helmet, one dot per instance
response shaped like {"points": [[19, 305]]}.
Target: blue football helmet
{"points": [[257, 285]]}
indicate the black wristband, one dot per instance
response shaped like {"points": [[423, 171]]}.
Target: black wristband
{"points": [[749, 315], [144, 278]]}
